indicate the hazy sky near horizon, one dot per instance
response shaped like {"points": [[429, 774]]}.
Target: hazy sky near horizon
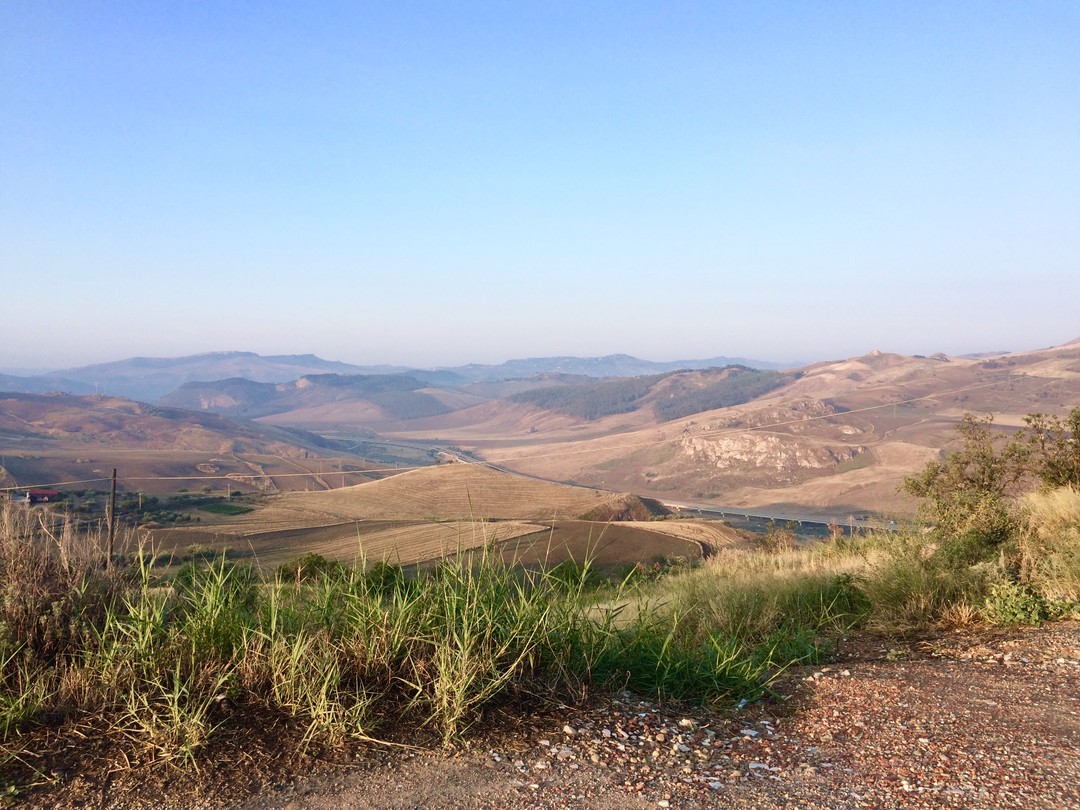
{"points": [[436, 183]]}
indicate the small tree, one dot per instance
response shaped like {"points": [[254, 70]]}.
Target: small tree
{"points": [[967, 492]]}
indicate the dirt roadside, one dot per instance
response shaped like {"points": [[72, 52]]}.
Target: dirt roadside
{"points": [[972, 718]]}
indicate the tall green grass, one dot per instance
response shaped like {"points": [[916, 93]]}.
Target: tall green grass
{"points": [[167, 662], [337, 649]]}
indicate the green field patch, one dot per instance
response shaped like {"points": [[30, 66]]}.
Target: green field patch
{"points": [[226, 509], [857, 462]]}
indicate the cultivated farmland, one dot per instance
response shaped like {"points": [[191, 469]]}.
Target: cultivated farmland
{"points": [[426, 514]]}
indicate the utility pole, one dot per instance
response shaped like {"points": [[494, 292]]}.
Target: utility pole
{"points": [[111, 518]]}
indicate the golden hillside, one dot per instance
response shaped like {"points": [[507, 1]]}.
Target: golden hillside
{"points": [[839, 439], [444, 492]]}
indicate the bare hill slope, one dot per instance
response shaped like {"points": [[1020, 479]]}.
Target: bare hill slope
{"points": [[839, 438], [63, 438]]}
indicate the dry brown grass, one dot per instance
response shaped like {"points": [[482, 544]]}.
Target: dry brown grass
{"points": [[712, 535], [428, 513], [1050, 542], [398, 542], [446, 492], [604, 545]]}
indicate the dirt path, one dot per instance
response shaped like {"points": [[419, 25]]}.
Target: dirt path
{"points": [[963, 719]]}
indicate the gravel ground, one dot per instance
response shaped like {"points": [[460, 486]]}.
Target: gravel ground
{"points": [[987, 718]]}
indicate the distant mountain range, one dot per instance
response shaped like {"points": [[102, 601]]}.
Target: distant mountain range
{"points": [[147, 379], [393, 396], [373, 400]]}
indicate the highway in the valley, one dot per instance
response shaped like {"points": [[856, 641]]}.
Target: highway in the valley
{"points": [[809, 524]]}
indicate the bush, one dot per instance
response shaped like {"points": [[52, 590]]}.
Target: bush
{"points": [[968, 549], [779, 538], [308, 568], [1052, 448], [968, 491]]}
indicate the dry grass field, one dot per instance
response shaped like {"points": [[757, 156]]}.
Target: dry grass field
{"points": [[428, 513], [400, 542], [710, 535], [605, 545], [444, 492]]}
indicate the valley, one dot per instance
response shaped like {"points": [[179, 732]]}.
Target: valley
{"points": [[412, 465]]}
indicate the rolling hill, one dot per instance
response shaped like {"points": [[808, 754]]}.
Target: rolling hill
{"points": [[61, 437], [837, 438], [428, 513], [380, 402], [367, 398], [832, 438], [148, 378]]}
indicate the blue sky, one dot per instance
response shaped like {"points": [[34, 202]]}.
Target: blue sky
{"points": [[435, 183]]}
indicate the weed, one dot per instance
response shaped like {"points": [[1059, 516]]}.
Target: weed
{"points": [[1010, 603]]}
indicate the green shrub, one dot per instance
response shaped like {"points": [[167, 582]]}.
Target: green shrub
{"points": [[309, 567], [384, 579], [968, 549], [969, 490], [571, 576], [1010, 603], [227, 509]]}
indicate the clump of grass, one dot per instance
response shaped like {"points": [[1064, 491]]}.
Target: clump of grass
{"points": [[748, 613], [910, 584], [53, 578], [333, 647]]}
